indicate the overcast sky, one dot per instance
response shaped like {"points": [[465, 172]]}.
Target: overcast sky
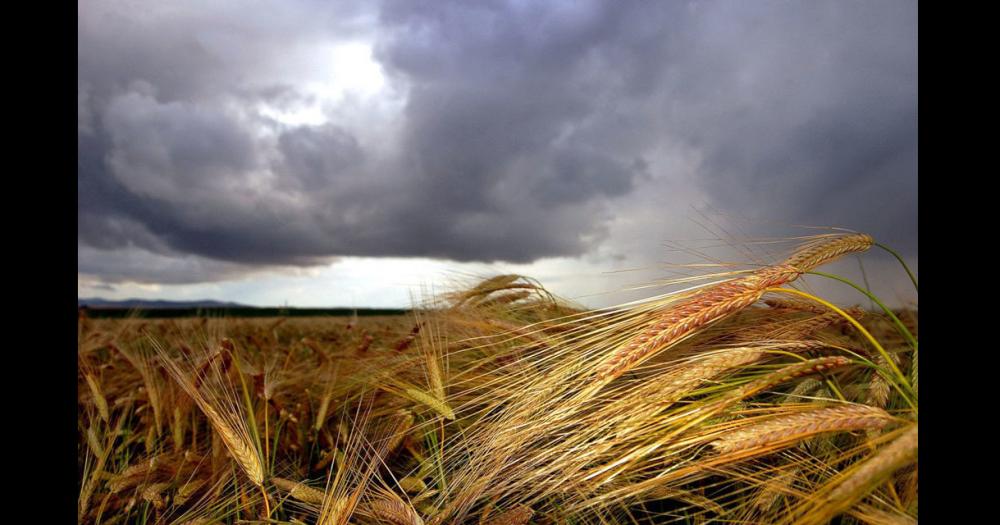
{"points": [[346, 153]]}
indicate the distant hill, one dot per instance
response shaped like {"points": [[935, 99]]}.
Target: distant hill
{"points": [[147, 304]]}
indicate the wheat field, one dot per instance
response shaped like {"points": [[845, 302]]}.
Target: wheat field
{"points": [[742, 399]]}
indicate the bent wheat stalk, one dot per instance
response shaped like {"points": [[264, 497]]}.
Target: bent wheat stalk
{"points": [[846, 490], [394, 511], [824, 250], [785, 430], [299, 491], [223, 411], [718, 301], [689, 316]]}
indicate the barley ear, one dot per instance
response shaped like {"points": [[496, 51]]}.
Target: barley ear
{"points": [[849, 488], [299, 491], [828, 249]]}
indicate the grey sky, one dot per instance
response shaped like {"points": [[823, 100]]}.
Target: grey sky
{"points": [[266, 139]]}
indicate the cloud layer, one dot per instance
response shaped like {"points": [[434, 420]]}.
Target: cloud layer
{"points": [[218, 141]]}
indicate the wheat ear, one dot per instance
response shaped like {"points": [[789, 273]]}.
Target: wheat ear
{"points": [[244, 454], [890, 458], [781, 303], [412, 484], [803, 368], [99, 400], [299, 491], [690, 315], [231, 428], [785, 430], [438, 405], [815, 324], [394, 512], [718, 301], [680, 382], [846, 490], [825, 250]]}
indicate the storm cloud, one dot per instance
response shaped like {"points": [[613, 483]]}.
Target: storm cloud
{"points": [[215, 141]]}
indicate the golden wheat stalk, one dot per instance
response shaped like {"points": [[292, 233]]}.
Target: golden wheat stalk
{"points": [[154, 494], [803, 368], [718, 301], [224, 412], [690, 315], [827, 249], [185, 491], [874, 516], [878, 387], [815, 324], [424, 398], [321, 413], [397, 430], [133, 475], [337, 509], [681, 381], [805, 388], [299, 491], [676, 384], [855, 483], [99, 400], [774, 488], [363, 455], [889, 459], [781, 303], [237, 443], [87, 490], [412, 484], [785, 430], [95, 445], [394, 512], [142, 361]]}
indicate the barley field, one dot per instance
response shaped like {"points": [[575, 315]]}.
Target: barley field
{"points": [[742, 399]]}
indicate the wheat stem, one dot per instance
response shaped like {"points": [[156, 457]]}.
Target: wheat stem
{"points": [[871, 339], [848, 489], [899, 324], [901, 261]]}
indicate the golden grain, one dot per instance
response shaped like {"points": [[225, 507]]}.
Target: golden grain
{"points": [[299, 491], [787, 429]]}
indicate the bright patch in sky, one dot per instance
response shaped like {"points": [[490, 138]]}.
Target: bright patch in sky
{"points": [[340, 71]]}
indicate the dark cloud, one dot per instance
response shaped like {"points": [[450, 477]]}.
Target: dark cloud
{"points": [[315, 156], [806, 114], [102, 269], [524, 130]]}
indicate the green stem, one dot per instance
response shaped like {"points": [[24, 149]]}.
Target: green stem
{"points": [[900, 381], [901, 261], [899, 324], [277, 433], [864, 278]]}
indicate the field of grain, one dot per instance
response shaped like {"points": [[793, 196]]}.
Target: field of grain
{"points": [[741, 400]]}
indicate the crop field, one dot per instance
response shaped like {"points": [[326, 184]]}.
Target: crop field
{"points": [[742, 399]]}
